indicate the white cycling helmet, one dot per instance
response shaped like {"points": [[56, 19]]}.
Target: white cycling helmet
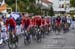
{"points": [[8, 16]]}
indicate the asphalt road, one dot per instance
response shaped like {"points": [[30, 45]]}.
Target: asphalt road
{"points": [[52, 41]]}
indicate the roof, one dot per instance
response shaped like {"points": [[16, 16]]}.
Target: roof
{"points": [[47, 1], [3, 7]]}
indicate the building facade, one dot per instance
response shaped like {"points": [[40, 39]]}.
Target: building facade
{"points": [[61, 6]]}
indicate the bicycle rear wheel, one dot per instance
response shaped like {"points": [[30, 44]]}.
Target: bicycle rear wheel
{"points": [[12, 43]]}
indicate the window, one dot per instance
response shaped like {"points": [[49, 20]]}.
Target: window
{"points": [[61, 6]]}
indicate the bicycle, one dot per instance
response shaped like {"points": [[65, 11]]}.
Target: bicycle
{"points": [[58, 28], [43, 31], [65, 27], [38, 34], [27, 39], [12, 40]]}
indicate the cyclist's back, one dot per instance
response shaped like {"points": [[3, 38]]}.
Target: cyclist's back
{"points": [[38, 22], [64, 20], [12, 24], [58, 21], [42, 22], [26, 22], [48, 20]]}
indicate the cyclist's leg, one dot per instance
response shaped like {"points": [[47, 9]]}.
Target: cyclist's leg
{"points": [[69, 25], [25, 29], [14, 33], [10, 35], [27, 34]]}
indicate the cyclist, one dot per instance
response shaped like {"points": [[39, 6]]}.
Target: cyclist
{"points": [[58, 20], [38, 20], [11, 26], [53, 23], [33, 22], [48, 21], [25, 24], [47, 24], [64, 20], [43, 27], [42, 22], [69, 20], [58, 23]]}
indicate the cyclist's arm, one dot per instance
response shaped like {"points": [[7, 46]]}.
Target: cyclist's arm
{"points": [[22, 22], [14, 23], [29, 25]]}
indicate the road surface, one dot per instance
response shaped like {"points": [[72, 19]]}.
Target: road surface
{"points": [[52, 41]]}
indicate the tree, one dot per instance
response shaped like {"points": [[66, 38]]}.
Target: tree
{"points": [[23, 6], [51, 12], [72, 3]]}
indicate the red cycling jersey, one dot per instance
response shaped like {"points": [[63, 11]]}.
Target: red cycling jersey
{"points": [[47, 21], [33, 22], [42, 22], [58, 21], [37, 20], [10, 22], [26, 22]]}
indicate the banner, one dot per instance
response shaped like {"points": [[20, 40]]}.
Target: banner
{"points": [[15, 15]]}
